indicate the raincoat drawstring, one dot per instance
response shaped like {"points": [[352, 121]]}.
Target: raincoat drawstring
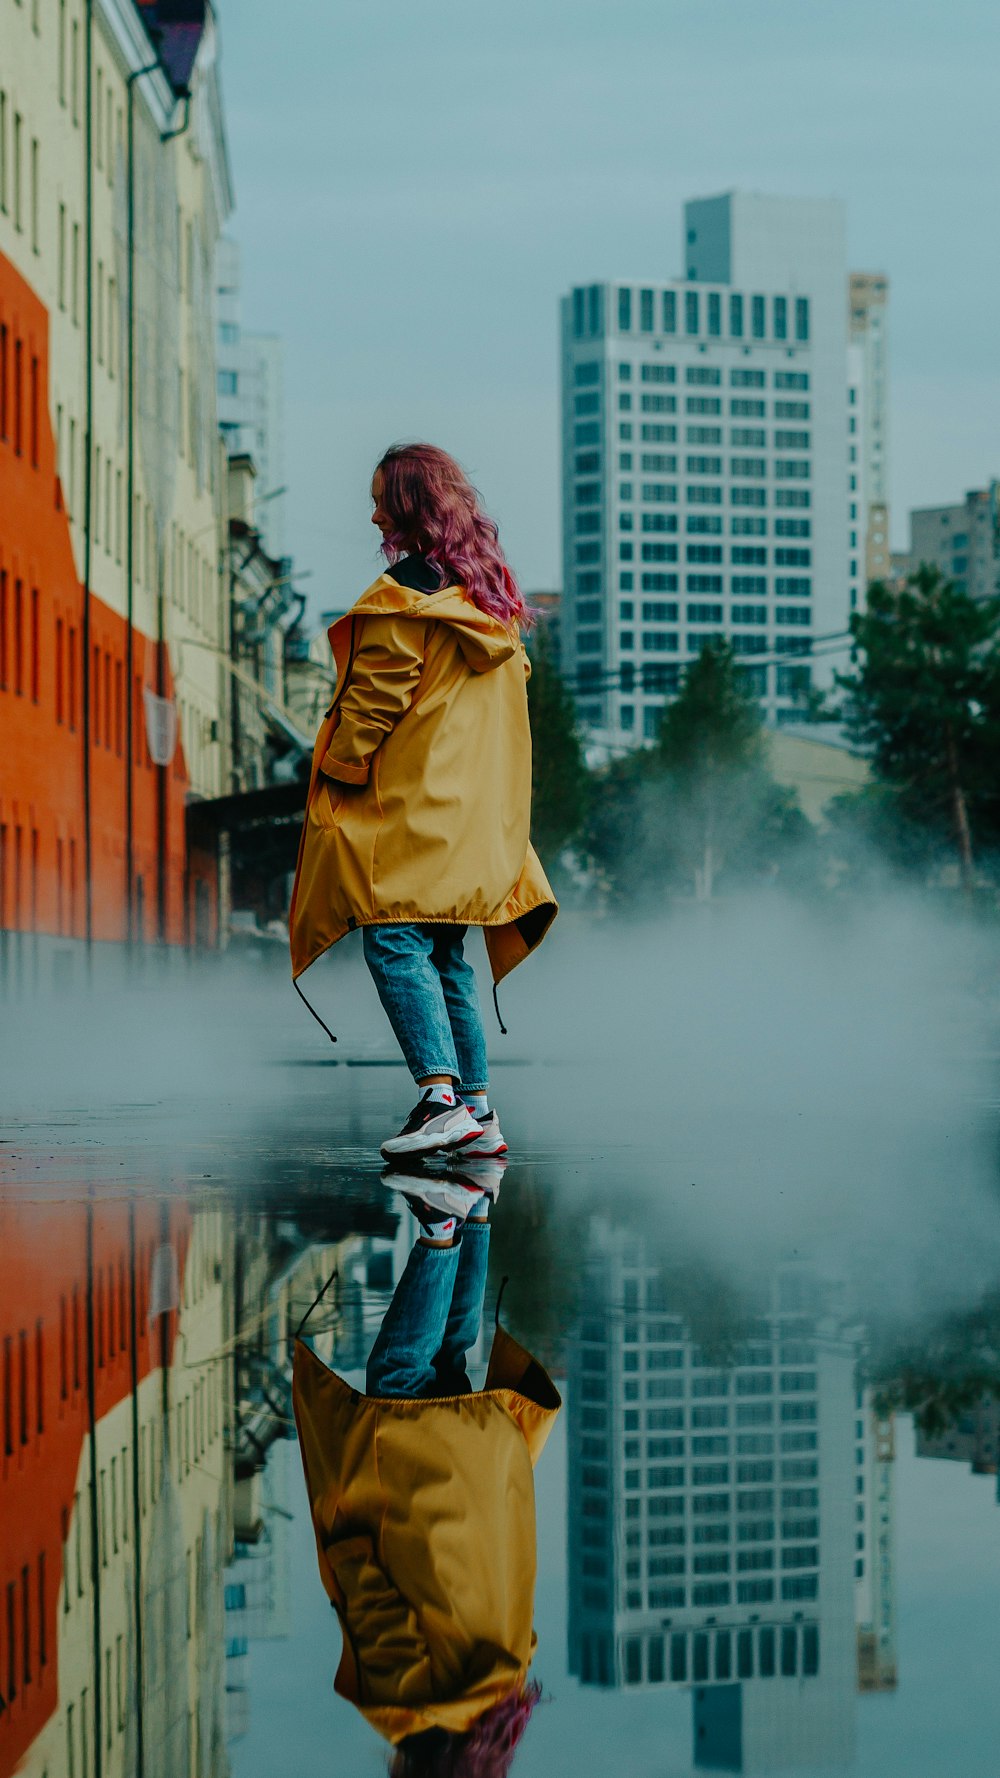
{"points": [[496, 1008], [312, 1009]]}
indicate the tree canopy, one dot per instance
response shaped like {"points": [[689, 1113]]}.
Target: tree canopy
{"points": [[923, 699]]}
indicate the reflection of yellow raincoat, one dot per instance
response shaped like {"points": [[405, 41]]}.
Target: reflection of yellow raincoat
{"points": [[424, 1513], [420, 795]]}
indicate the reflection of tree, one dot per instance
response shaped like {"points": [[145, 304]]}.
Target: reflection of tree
{"points": [[538, 1245], [940, 1372]]}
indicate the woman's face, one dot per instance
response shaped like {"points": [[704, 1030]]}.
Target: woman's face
{"points": [[380, 517]]}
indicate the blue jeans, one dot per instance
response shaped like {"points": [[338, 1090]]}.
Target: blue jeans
{"points": [[433, 1319], [429, 993]]}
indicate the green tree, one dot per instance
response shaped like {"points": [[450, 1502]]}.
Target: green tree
{"points": [[701, 804], [924, 700], [559, 777]]}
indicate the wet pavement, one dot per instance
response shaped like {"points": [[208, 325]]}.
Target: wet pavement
{"points": [[768, 1520]]}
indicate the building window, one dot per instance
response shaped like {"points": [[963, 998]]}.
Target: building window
{"points": [[660, 373], [578, 315], [781, 317], [801, 317], [747, 379], [625, 310], [670, 311], [757, 317], [646, 311], [691, 311], [594, 308], [228, 382], [736, 316], [714, 313]]}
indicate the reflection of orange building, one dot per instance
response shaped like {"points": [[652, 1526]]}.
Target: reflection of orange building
{"points": [[112, 1478], [113, 191]]}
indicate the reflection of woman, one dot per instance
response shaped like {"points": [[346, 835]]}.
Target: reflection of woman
{"points": [[418, 811], [423, 1505]]}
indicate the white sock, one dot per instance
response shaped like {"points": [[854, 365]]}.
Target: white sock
{"points": [[439, 1093], [478, 1104]]}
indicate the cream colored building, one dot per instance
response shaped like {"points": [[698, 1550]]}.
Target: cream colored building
{"points": [[817, 769], [117, 246]]}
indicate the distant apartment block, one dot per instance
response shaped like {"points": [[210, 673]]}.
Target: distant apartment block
{"points": [[963, 541], [705, 425], [251, 396]]}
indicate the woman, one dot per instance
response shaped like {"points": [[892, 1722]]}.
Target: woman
{"points": [[423, 1504], [418, 812]]}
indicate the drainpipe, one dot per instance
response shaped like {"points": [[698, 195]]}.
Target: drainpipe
{"points": [[161, 646], [137, 74]]}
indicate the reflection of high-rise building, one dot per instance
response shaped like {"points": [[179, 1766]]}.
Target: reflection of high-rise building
{"points": [[711, 1515]]}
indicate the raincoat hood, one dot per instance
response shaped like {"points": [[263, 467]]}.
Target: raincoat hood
{"points": [[484, 640]]}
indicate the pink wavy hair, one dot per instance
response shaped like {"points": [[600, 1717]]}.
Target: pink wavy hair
{"points": [[487, 1751], [436, 511]]}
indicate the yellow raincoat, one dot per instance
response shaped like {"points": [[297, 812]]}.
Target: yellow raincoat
{"points": [[424, 1514], [420, 795]]}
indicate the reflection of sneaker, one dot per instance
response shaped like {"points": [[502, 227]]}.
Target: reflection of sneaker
{"points": [[491, 1141], [434, 1198], [483, 1175], [432, 1126]]}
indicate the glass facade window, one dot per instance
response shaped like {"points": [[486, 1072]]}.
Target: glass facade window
{"points": [[747, 379], [659, 552], [714, 313], [625, 310], [692, 306], [736, 316], [588, 372], [789, 379], [748, 496], [757, 317], [801, 317], [659, 641], [704, 374], [781, 317], [646, 311], [624, 371], [579, 313], [670, 311]]}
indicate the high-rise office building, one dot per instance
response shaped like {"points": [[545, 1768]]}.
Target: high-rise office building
{"points": [[705, 489], [712, 1514], [251, 395]]}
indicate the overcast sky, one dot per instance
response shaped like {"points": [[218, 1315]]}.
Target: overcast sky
{"points": [[417, 185]]}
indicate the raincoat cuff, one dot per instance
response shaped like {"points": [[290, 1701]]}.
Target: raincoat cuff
{"points": [[345, 774]]}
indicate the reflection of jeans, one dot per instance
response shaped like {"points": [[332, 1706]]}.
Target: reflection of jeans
{"points": [[429, 993], [433, 1319]]}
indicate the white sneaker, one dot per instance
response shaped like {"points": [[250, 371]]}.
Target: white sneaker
{"points": [[489, 1142], [432, 1125], [434, 1192], [483, 1175]]}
